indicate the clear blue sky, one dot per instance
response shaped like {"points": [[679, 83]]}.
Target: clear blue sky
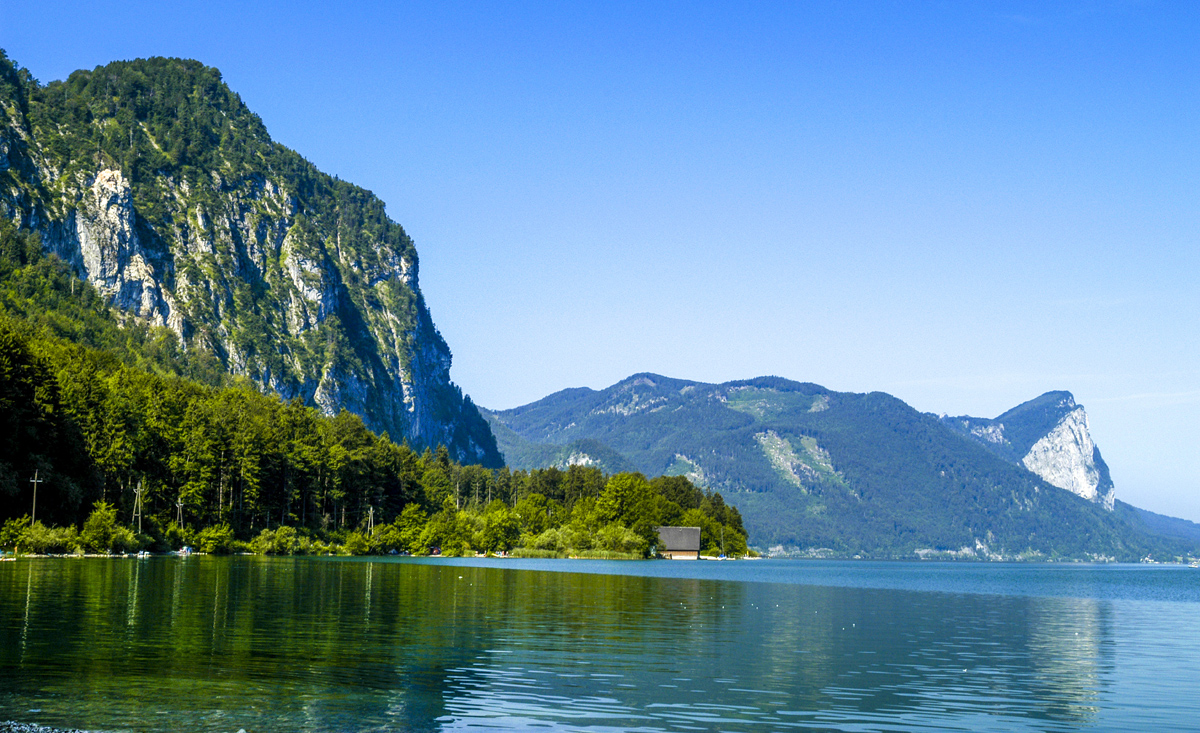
{"points": [[964, 204]]}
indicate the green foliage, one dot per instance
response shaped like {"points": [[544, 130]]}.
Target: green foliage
{"points": [[11, 531], [499, 531], [357, 543], [217, 539], [282, 540], [618, 538], [42, 539], [102, 533]]}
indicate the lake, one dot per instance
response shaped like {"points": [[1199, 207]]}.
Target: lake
{"points": [[358, 644]]}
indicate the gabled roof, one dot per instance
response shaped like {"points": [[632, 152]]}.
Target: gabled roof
{"points": [[679, 538]]}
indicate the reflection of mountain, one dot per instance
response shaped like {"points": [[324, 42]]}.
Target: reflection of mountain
{"points": [[368, 645], [1070, 644]]}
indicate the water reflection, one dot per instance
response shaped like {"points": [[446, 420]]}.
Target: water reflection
{"points": [[280, 644]]}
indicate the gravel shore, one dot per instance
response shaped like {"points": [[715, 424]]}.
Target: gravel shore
{"points": [[11, 727]]}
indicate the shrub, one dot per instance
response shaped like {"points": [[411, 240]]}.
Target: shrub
{"points": [[216, 540], [10, 533], [619, 538], [357, 544], [282, 541], [385, 538], [176, 537], [100, 531], [551, 539], [41, 539]]}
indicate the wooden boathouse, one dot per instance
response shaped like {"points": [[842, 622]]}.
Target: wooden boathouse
{"points": [[679, 543]]}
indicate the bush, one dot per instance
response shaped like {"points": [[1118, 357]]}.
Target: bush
{"points": [[282, 541], [500, 531], [618, 538], [42, 540], [216, 540], [100, 531], [385, 538], [176, 537], [357, 544], [409, 524], [10, 533], [575, 538], [551, 539]]}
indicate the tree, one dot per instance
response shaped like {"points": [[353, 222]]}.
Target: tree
{"points": [[623, 496]]}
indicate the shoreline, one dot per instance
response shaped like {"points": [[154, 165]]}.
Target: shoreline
{"points": [[10, 726]]}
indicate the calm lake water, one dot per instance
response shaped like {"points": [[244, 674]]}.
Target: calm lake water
{"points": [[309, 644]]}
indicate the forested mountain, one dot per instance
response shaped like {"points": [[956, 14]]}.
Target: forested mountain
{"points": [[158, 186], [831, 473]]}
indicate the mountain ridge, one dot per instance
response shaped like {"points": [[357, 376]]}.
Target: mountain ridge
{"points": [[835, 473]]}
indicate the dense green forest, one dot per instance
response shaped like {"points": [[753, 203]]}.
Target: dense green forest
{"points": [[138, 443]]}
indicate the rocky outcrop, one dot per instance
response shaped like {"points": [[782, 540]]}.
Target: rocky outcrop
{"points": [[1048, 435], [193, 219], [1066, 457]]}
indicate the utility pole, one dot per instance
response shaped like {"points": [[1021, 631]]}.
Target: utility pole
{"points": [[137, 505], [371, 520], [35, 481], [179, 506]]}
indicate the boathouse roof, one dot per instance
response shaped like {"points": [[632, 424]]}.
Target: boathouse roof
{"points": [[684, 539]]}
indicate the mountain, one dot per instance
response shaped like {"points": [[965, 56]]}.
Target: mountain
{"points": [[1048, 435], [833, 473], [156, 184]]}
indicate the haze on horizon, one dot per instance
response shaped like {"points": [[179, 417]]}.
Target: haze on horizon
{"points": [[964, 205]]}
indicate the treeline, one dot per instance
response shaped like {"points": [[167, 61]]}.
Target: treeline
{"points": [[131, 454]]}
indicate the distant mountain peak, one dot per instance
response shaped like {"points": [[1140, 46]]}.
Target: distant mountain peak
{"points": [[1050, 436]]}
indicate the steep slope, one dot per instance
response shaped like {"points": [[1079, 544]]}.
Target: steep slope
{"points": [[851, 473], [161, 188], [1048, 435]]}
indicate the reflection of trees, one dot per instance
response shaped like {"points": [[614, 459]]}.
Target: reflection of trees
{"points": [[247, 640], [338, 644]]}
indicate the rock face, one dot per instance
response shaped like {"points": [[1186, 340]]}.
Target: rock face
{"points": [[156, 183], [1066, 458], [1049, 436]]}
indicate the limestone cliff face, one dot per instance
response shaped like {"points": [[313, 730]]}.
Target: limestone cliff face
{"points": [[165, 192], [1049, 436], [1066, 457]]}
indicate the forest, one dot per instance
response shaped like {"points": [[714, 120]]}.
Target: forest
{"points": [[136, 443]]}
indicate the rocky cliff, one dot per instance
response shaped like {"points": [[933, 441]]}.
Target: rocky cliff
{"points": [[160, 187], [1048, 435]]}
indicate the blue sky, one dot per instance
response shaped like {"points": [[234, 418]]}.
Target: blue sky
{"points": [[964, 204]]}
